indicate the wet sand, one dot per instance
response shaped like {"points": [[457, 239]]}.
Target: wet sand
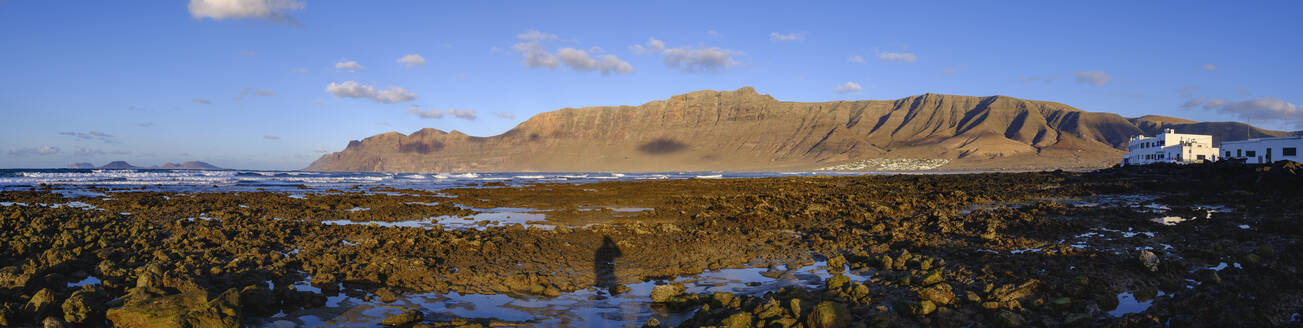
{"points": [[1179, 246]]}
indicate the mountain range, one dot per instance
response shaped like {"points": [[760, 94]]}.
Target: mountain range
{"points": [[743, 130], [122, 165]]}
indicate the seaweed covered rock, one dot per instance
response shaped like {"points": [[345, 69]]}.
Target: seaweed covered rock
{"points": [[829, 315], [404, 318], [147, 309], [84, 306]]}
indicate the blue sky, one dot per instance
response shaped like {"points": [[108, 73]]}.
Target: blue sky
{"points": [[272, 84]]}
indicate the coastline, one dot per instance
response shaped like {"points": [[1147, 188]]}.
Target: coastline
{"points": [[1041, 248]]}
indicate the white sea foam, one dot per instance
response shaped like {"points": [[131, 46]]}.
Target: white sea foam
{"points": [[715, 176]]}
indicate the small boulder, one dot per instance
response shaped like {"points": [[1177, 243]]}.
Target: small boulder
{"points": [[1010, 319], [722, 299], [836, 282], [403, 318], [387, 295], [1149, 260], [82, 306], [829, 314], [939, 294], [41, 304], [52, 322], [921, 308], [663, 293], [652, 323], [737, 320]]}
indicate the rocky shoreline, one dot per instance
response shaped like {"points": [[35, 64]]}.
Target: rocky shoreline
{"points": [[1017, 249]]}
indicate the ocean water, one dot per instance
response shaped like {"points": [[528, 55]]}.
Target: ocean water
{"points": [[303, 181]]}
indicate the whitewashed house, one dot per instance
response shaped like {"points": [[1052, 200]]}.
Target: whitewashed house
{"points": [[1264, 150], [1170, 147]]}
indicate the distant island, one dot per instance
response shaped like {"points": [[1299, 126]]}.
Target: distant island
{"points": [[744, 130], [123, 165]]}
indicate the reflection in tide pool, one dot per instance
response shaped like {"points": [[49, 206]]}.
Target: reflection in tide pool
{"points": [[583, 308], [1128, 304], [493, 217]]}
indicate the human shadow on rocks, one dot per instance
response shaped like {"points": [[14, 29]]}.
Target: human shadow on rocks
{"points": [[604, 266]]}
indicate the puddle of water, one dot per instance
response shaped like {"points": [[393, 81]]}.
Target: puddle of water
{"points": [[12, 204], [632, 209], [388, 224], [497, 217], [90, 280], [298, 196], [1020, 251], [205, 218], [493, 217], [358, 209], [584, 308], [1127, 304], [1244, 226], [79, 205], [74, 193], [1169, 220]]}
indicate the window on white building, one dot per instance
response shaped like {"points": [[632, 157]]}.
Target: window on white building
{"points": [[1289, 151]]}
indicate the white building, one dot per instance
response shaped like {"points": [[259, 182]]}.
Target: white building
{"points": [[1264, 150], [1170, 147]]}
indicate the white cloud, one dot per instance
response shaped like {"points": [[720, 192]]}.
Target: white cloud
{"points": [[38, 151], [535, 35], [271, 137], [652, 46], [1266, 108], [412, 60], [898, 57], [1188, 91], [1095, 78], [775, 36], [855, 59], [416, 110], [1193, 102], [351, 89], [534, 55], [91, 152], [1215, 103], [257, 92], [691, 60], [433, 113], [1209, 67], [202, 101], [580, 61], [466, 114], [92, 135], [348, 65], [272, 10], [505, 115], [848, 87]]}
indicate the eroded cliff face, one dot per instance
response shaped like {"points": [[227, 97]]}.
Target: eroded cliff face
{"points": [[743, 130]]}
